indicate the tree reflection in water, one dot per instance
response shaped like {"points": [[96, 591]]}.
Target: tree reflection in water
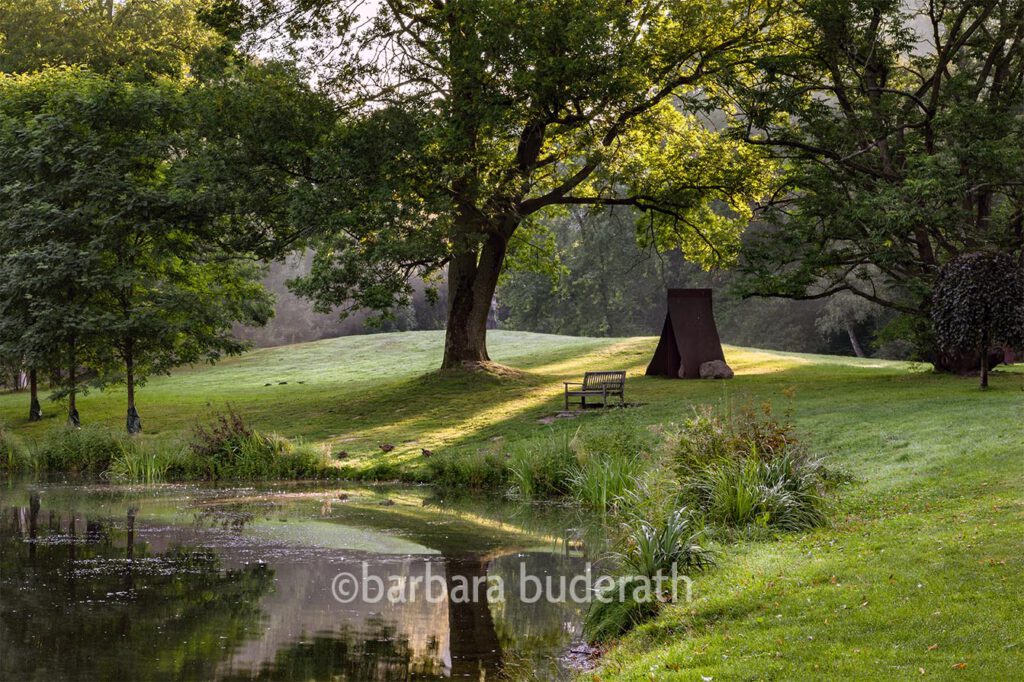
{"points": [[75, 607], [87, 596]]}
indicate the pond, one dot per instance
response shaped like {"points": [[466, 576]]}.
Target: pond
{"points": [[187, 582]]}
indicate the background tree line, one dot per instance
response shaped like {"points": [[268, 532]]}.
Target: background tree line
{"points": [[559, 154], [114, 260]]}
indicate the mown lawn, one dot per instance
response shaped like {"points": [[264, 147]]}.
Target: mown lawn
{"points": [[921, 569]]}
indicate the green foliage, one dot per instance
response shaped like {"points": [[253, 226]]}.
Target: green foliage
{"points": [[473, 468], [669, 547], [14, 456], [617, 610], [81, 451], [749, 472], [895, 162], [539, 469], [601, 481], [657, 548], [227, 449], [138, 39], [140, 462]]}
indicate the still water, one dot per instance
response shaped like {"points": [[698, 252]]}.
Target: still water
{"points": [[177, 582]]}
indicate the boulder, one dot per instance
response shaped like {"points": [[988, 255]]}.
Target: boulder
{"points": [[715, 369]]}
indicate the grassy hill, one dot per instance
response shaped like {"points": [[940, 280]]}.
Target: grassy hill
{"points": [[921, 569]]}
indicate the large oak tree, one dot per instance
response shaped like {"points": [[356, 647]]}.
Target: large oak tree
{"points": [[462, 122]]}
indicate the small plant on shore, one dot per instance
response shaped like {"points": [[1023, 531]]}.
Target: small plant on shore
{"points": [[672, 547], [473, 469], [228, 448], [86, 450], [610, 464], [676, 542], [749, 471], [14, 456], [540, 469], [603, 481], [142, 463]]}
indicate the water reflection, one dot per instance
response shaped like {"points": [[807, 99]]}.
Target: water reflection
{"points": [[183, 583]]}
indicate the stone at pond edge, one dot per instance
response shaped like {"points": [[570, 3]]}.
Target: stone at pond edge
{"points": [[715, 369]]}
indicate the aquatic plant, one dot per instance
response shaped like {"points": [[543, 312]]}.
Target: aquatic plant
{"points": [[140, 462], [677, 542]]}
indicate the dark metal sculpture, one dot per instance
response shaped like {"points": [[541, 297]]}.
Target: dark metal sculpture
{"points": [[689, 336]]}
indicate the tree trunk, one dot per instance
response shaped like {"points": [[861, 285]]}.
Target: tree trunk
{"points": [[472, 279], [857, 350], [133, 422], [984, 359], [73, 418], [35, 411]]}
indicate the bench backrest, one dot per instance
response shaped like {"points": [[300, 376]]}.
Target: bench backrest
{"points": [[613, 380]]}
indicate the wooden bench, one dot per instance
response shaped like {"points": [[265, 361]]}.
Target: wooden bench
{"points": [[597, 385]]}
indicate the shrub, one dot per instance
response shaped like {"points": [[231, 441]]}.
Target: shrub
{"points": [[228, 449], [86, 450], [749, 471]]}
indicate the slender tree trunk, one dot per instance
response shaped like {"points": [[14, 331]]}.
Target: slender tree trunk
{"points": [[984, 359], [472, 279], [73, 418], [35, 411], [857, 350], [133, 422]]}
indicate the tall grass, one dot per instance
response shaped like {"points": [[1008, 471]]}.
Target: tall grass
{"points": [[539, 469], [227, 448], [610, 464], [749, 472], [79, 451], [603, 481], [14, 456], [142, 463]]}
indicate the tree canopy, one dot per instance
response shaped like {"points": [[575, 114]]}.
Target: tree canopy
{"points": [[109, 261], [901, 131], [462, 123]]}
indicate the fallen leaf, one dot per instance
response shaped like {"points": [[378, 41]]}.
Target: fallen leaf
{"points": [[933, 647], [959, 666]]}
